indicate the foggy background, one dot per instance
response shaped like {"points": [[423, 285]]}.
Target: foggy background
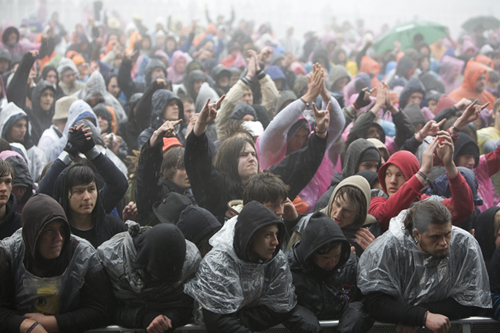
{"points": [[304, 15]]}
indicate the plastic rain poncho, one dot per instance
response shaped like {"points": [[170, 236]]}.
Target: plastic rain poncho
{"points": [[225, 284], [394, 265]]}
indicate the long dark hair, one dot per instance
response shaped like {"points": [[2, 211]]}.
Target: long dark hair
{"points": [[226, 162]]}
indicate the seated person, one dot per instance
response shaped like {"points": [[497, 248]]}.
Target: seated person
{"points": [[50, 280], [10, 219], [324, 274], [148, 268], [244, 283], [424, 271]]}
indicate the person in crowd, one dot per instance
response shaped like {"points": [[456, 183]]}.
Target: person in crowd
{"points": [[68, 74], [490, 132], [50, 74], [51, 281], [324, 275], [455, 284], [22, 183], [84, 197], [150, 265], [474, 84], [42, 109], [11, 219], [246, 276]]}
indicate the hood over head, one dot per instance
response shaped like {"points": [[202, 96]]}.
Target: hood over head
{"points": [[35, 100], [161, 98], [413, 85], [9, 114], [430, 82], [360, 183], [253, 217], [161, 252], [320, 231], [338, 72], [64, 65], [275, 73], [465, 145], [414, 114], [370, 176], [220, 71], [197, 223], [359, 150], [22, 176], [151, 66], [242, 109], [77, 111], [47, 69], [405, 66], [473, 70], [196, 75], [204, 94], [405, 161], [95, 87], [285, 96]]}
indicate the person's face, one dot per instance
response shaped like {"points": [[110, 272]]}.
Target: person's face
{"points": [[170, 45], [113, 87], [340, 84], [117, 62], [481, 83], [425, 51], [19, 192], [82, 198], [180, 65], [223, 81], [424, 64], [329, 260], [432, 104], [5, 189], [103, 124], [12, 38], [436, 240], [18, 130], [264, 243], [51, 77], [181, 179], [171, 111], [277, 207], [188, 111], [234, 78], [247, 163], [342, 57], [371, 165], [297, 140], [372, 133], [46, 99], [415, 98], [467, 161], [157, 72], [51, 240], [342, 212], [4, 65], [69, 77], [278, 84], [197, 86], [146, 44], [247, 97], [394, 179], [247, 117]]}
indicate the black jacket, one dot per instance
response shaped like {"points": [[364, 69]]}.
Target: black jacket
{"points": [[40, 120], [12, 220], [208, 184], [127, 85]]}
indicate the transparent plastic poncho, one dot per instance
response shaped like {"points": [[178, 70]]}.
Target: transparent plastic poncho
{"points": [[394, 265], [225, 284]]}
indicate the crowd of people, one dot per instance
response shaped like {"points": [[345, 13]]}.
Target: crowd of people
{"points": [[155, 176]]}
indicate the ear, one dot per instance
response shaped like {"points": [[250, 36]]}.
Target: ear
{"points": [[416, 234]]}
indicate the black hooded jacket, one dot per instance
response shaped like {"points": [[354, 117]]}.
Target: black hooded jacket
{"points": [[130, 129], [12, 219], [40, 120], [325, 293], [128, 86], [90, 309], [196, 75], [45, 71], [18, 90]]}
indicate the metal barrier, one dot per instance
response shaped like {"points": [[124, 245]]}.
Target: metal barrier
{"points": [[468, 325]]}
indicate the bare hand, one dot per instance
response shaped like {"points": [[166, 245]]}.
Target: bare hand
{"points": [[437, 323], [364, 237], [463, 103], [207, 115], [289, 211], [431, 128], [470, 114], [322, 119], [161, 82], [428, 157], [49, 323], [130, 212], [191, 124], [34, 53], [159, 325], [266, 54], [381, 99], [131, 55], [445, 147], [314, 83], [251, 65]]}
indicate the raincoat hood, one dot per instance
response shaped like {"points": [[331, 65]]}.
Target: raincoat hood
{"points": [[430, 82], [197, 223], [64, 65], [253, 217], [338, 72], [41, 119], [472, 72], [160, 100], [203, 95], [77, 111], [320, 231], [360, 183], [172, 73], [22, 176], [151, 66], [8, 116], [413, 85], [196, 75], [7, 30], [405, 161], [242, 109], [354, 153], [414, 114]]}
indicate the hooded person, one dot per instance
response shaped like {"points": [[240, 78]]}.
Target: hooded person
{"points": [[166, 106], [11, 41], [338, 78], [130, 129], [50, 277], [222, 78], [49, 73], [11, 219], [402, 179], [402, 73], [154, 69], [474, 84], [286, 97], [15, 128], [487, 226], [95, 91], [450, 72], [413, 92], [198, 225], [246, 275], [324, 274], [177, 67], [42, 109], [22, 184], [417, 119], [361, 155], [150, 265], [194, 81], [430, 82], [204, 94], [68, 74], [405, 274]]}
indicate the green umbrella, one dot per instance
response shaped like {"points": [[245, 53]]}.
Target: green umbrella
{"points": [[405, 32], [488, 23]]}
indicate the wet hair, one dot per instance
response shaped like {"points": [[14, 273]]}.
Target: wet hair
{"points": [[356, 198], [423, 213], [172, 161], [265, 187], [79, 174], [6, 169], [235, 129], [328, 247], [187, 99], [226, 162]]}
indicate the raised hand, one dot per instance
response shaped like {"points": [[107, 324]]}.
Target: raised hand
{"points": [[363, 98], [364, 237], [314, 84], [322, 119], [207, 115], [470, 114], [431, 128], [445, 148]]}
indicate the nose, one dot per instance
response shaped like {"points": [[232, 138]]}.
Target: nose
{"points": [[275, 241], [392, 180], [332, 263], [443, 242], [58, 236]]}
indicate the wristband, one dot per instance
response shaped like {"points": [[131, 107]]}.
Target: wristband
{"points": [[424, 320], [260, 74], [32, 327], [422, 175], [303, 101], [66, 157], [245, 81], [318, 132], [92, 153]]}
